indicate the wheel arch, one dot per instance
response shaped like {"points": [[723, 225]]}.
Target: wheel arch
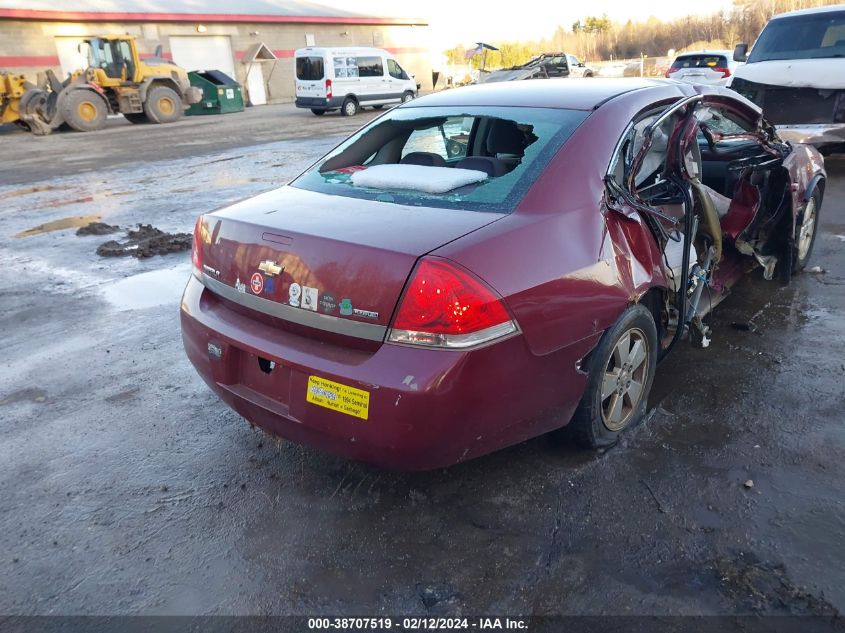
{"points": [[160, 80]]}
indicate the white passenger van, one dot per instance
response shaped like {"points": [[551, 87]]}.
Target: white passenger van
{"points": [[348, 79], [796, 74]]}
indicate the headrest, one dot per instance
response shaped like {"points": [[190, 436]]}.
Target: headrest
{"points": [[505, 138], [426, 159], [489, 165]]}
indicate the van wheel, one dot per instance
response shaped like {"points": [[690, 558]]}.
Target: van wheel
{"points": [[805, 232], [621, 371], [408, 96], [378, 107], [318, 112], [349, 107]]}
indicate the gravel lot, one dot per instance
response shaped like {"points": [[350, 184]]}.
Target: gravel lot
{"points": [[127, 488]]}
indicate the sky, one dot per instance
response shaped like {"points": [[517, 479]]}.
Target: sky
{"points": [[456, 22]]}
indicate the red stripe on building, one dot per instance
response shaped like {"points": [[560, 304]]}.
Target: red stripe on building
{"points": [[281, 54], [28, 61], [117, 16]]}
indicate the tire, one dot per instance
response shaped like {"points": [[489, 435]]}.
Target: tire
{"points": [[163, 105], [378, 107], [84, 110], [805, 232], [318, 112], [408, 96], [588, 75], [136, 117], [350, 107], [599, 421]]}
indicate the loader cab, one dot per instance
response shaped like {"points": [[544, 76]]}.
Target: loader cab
{"points": [[116, 57]]}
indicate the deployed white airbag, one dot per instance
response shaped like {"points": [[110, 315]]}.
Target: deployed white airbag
{"points": [[416, 178]]}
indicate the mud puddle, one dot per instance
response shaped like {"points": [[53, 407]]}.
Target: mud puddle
{"points": [[148, 290], [60, 224], [146, 241], [97, 228]]}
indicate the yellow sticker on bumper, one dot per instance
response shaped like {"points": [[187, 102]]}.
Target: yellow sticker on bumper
{"points": [[340, 398]]}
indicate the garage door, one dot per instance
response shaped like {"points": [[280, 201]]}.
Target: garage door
{"points": [[203, 52], [70, 59]]}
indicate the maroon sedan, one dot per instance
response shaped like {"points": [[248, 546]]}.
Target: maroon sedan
{"points": [[483, 265]]}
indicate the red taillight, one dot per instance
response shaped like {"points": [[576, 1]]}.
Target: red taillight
{"points": [[196, 246], [672, 70], [328, 88], [725, 72], [447, 306]]}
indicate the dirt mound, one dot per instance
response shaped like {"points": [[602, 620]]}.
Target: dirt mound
{"points": [[146, 241], [97, 228]]}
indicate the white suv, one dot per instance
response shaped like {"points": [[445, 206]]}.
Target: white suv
{"points": [[714, 68]]}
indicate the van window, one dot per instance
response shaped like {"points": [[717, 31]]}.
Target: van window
{"points": [[345, 67], [309, 68], [370, 67], [810, 36], [395, 70]]}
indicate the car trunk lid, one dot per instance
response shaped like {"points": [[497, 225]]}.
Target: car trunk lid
{"points": [[327, 263]]}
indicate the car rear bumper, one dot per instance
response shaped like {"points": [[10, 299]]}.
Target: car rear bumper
{"points": [[427, 408]]}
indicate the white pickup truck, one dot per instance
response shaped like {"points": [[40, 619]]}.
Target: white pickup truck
{"points": [[544, 66]]}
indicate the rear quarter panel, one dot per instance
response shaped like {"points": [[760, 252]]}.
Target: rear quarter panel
{"points": [[567, 265]]}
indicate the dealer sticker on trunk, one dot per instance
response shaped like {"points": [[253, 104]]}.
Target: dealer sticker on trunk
{"points": [[333, 395]]}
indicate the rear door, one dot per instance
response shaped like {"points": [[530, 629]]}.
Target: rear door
{"points": [[311, 77]]}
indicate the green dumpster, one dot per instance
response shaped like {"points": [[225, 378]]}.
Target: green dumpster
{"points": [[220, 93]]}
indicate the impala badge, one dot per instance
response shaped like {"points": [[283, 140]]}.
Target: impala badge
{"points": [[271, 269]]}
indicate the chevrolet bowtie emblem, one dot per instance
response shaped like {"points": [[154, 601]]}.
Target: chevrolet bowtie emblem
{"points": [[270, 268]]}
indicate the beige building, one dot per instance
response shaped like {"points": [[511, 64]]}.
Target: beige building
{"points": [[252, 41]]}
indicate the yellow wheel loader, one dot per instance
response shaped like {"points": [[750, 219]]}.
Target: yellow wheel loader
{"points": [[116, 81]]}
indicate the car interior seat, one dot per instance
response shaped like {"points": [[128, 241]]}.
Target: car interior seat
{"points": [[491, 166], [426, 159]]}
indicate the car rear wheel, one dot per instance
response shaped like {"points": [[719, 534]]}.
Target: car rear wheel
{"points": [[350, 107], [805, 232], [621, 372], [378, 107]]}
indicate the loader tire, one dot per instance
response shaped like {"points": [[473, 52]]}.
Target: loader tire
{"points": [[84, 110], [136, 117], [163, 105]]}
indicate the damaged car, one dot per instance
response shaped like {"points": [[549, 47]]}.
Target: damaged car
{"points": [[543, 66], [410, 308], [796, 74]]}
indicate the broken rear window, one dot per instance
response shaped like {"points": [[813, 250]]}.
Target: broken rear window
{"points": [[510, 146]]}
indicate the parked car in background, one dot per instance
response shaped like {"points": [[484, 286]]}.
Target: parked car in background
{"points": [[544, 66], [413, 308], [796, 73], [348, 79], [714, 68]]}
